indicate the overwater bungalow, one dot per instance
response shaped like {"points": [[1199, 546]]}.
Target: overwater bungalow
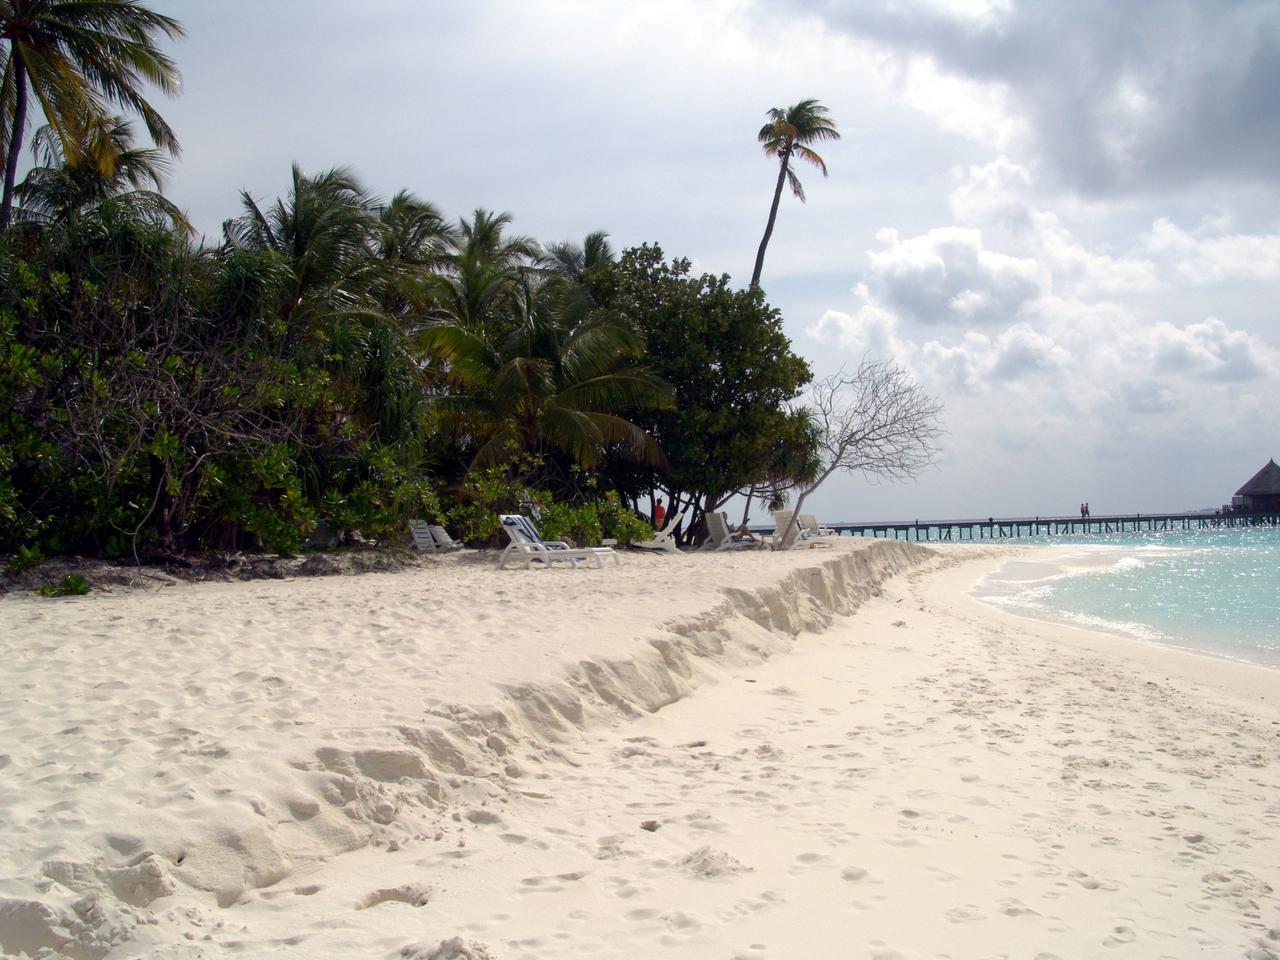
{"points": [[1261, 494]]}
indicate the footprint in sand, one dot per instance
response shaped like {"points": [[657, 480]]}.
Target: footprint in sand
{"points": [[807, 861], [854, 874], [1120, 935], [1012, 907], [414, 894], [969, 913], [880, 951]]}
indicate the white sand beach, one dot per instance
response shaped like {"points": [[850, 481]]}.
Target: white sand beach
{"points": [[818, 753]]}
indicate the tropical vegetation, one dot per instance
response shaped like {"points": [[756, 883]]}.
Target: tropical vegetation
{"points": [[337, 363]]}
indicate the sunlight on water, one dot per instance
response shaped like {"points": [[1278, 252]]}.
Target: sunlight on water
{"points": [[1214, 591]]}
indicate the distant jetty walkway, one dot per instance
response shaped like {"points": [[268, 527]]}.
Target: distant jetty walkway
{"points": [[1000, 528]]}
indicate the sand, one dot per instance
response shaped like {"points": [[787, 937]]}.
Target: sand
{"points": [[818, 753]]}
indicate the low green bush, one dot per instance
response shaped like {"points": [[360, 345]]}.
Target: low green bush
{"points": [[25, 559], [72, 585]]}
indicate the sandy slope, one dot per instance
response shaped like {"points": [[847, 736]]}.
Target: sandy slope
{"points": [[923, 778]]}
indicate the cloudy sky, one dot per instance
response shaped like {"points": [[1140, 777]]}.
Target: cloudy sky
{"points": [[1064, 218]]}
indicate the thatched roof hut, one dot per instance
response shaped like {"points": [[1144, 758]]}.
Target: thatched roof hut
{"points": [[1262, 493]]}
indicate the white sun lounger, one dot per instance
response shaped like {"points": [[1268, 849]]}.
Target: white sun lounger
{"points": [[719, 536], [787, 535], [664, 539], [423, 542], [810, 526], [429, 538], [443, 541], [527, 546]]}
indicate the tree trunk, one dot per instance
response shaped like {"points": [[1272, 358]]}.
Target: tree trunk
{"points": [[773, 215], [14, 146]]}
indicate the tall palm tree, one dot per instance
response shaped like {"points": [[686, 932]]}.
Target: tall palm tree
{"points": [[787, 135], [79, 58]]}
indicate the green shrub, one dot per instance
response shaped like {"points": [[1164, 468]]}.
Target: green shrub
{"points": [[25, 559], [579, 525], [622, 524], [471, 512], [72, 585]]}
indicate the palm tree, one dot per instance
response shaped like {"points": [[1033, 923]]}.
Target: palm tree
{"points": [[485, 272], [413, 244], [324, 229], [54, 191], [79, 57], [573, 261], [787, 134], [552, 383]]}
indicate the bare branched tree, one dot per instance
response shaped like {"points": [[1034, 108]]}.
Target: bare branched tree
{"points": [[876, 422]]}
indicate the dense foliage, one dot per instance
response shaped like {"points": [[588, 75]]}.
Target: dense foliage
{"points": [[342, 364]]}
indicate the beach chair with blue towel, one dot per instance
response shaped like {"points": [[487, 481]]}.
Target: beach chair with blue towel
{"points": [[528, 547]]}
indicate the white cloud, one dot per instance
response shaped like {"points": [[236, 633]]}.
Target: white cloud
{"points": [[948, 275], [1216, 257], [1082, 272], [1212, 351], [870, 330], [968, 108], [997, 193]]}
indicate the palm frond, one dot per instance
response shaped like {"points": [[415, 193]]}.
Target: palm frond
{"points": [[794, 182]]}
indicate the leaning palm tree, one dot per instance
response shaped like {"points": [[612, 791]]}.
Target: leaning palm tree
{"points": [[79, 58], [788, 134]]}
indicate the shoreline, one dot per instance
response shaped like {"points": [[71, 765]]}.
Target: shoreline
{"points": [[1056, 555], [851, 741]]}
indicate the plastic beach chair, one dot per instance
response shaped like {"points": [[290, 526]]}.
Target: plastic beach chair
{"points": [[423, 541], [443, 541], [789, 535], [719, 536], [528, 547], [809, 526], [664, 539], [429, 538]]}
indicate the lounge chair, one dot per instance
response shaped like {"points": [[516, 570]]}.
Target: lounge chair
{"points": [[810, 527], [664, 539], [720, 537], [423, 541], [787, 534], [528, 547], [444, 542]]}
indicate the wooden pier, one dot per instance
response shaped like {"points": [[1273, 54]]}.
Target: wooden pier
{"points": [[1004, 528]]}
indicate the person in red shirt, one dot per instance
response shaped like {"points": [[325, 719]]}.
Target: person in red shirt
{"points": [[659, 514]]}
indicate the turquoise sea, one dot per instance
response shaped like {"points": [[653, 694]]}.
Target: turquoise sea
{"points": [[1216, 592]]}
